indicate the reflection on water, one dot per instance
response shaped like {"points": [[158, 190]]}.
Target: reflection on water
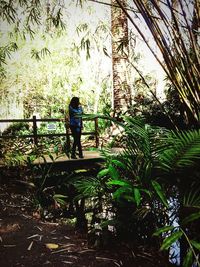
{"points": [[174, 251]]}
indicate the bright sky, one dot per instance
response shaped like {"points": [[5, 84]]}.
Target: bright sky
{"points": [[75, 14]]}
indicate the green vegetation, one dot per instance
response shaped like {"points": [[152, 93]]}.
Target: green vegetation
{"points": [[146, 193]]}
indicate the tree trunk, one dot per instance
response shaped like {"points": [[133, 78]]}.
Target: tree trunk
{"points": [[48, 10], [196, 21], [119, 29]]}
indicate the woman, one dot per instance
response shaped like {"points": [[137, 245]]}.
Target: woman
{"points": [[75, 121]]}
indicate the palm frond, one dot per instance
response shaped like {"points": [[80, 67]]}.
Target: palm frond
{"points": [[192, 198], [88, 187], [143, 145], [184, 152]]}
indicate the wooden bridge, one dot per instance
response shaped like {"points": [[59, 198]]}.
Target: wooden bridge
{"points": [[92, 159], [62, 162], [50, 129]]}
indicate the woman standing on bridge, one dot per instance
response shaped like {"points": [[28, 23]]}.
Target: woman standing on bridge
{"points": [[75, 122]]}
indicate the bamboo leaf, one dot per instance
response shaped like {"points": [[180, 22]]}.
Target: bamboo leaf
{"points": [[61, 201], [188, 259], [170, 240], [129, 198], [195, 244], [191, 218], [137, 196], [163, 230], [59, 196], [113, 172], [119, 163], [125, 193], [157, 187], [118, 182], [102, 173]]}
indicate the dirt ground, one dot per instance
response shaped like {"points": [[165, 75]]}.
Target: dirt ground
{"points": [[26, 240]]}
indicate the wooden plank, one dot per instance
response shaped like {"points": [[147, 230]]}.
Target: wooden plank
{"points": [[91, 160], [36, 135], [17, 120], [64, 158], [40, 135], [31, 120]]}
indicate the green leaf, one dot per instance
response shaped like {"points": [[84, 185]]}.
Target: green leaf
{"points": [[157, 187], [113, 172], [163, 230], [125, 193], [60, 199], [170, 240], [118, 193], [188, 259], [191, 218], [184, 152], [119, 163], [102, 173], [147, 169], [59, 196], [129, 198], [148, 192], [195, 244], [137, 196], [118, 182]]}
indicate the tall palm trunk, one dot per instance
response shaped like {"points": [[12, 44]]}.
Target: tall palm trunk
{"points": [[48, 11], [119, 29]]}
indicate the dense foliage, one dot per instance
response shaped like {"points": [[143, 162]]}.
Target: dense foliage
{"points": [[148, 192]]}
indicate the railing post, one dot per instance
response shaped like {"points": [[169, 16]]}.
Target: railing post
{"points": [[96, 132], [35, 137], [67, 134]]}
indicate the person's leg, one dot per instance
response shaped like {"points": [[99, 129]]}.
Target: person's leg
{"points": [[74, 135], [79, 145], [73, 155]]}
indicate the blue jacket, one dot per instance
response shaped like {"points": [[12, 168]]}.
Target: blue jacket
{"points": [[73, 120]]}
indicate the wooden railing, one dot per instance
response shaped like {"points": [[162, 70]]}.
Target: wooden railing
{"points": [[35, 135]]}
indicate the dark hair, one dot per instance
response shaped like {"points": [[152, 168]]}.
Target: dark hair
{"points": [[74, 103]]}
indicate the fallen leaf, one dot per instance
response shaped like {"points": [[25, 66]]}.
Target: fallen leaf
{"points": [[61, 250], [30, 246], [51, 245], [32, 236], [86, 250], [104, 259], [39, 228]]}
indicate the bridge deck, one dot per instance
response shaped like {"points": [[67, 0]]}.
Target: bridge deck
{"points": [[88, 155], [91, 160]]}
